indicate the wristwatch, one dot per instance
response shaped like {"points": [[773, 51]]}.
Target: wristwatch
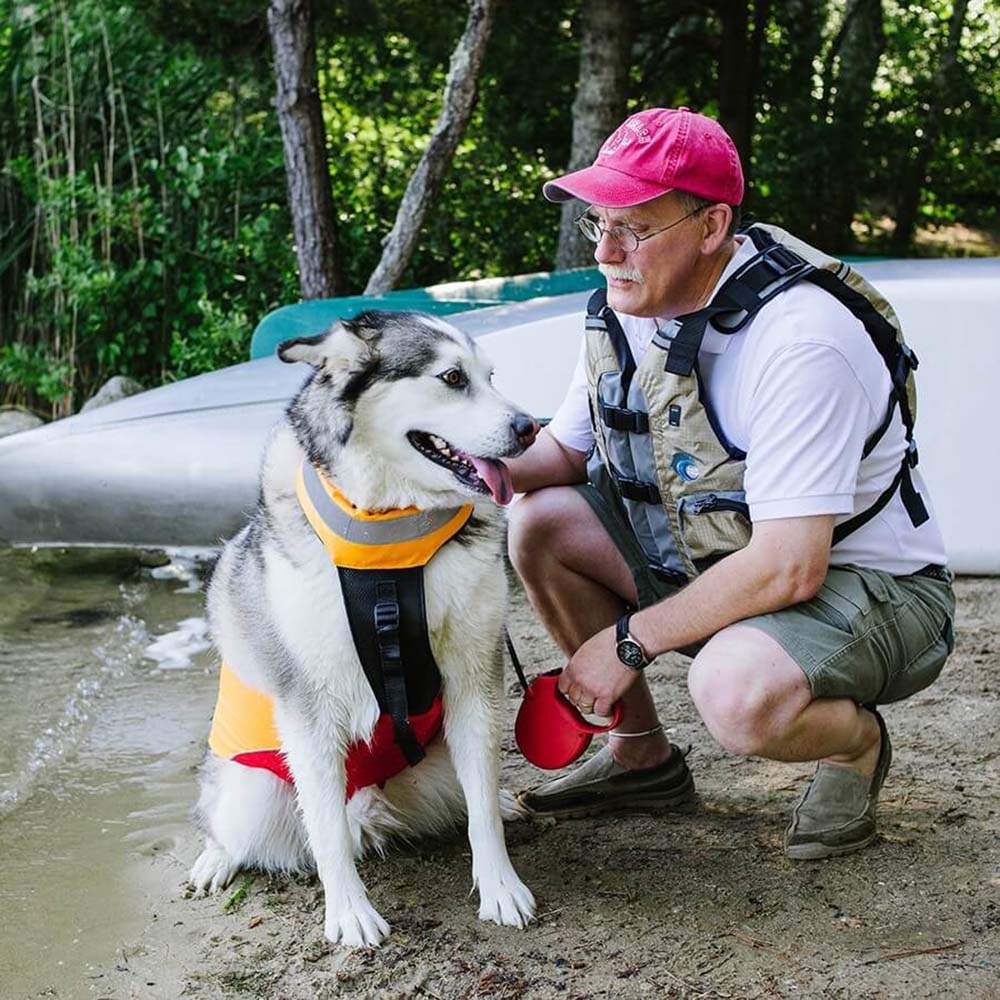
{"points": [[628, 648]]}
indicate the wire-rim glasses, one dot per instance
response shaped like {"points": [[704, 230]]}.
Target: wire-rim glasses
{"points": [[623, 235]]}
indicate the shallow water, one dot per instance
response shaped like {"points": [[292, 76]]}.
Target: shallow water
{"points": [[107, 686]]}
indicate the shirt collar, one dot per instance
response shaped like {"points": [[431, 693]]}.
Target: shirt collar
{"points": [[715, 342]]}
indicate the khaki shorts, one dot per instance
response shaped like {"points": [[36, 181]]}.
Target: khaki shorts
{"points": [[866, 635]]}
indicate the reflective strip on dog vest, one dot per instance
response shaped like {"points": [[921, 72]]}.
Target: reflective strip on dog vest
{"points": [[360, 539], [379, 556], [660, 454]]}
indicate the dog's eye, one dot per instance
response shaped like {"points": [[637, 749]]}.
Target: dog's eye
{"points": [[454, 377]]}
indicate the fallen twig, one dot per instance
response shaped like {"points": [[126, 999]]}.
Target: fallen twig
{"points": [[907, 952], [758, 943]]}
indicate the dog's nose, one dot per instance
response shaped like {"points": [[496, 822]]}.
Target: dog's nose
{"points": [[525, 427]]}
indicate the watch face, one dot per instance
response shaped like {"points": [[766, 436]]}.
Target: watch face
{"points": [[631, 654]]}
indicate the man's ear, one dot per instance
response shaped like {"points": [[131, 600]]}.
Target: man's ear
{"points": [[716, 227], [341, 348]]}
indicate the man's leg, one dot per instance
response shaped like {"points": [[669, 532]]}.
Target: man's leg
{"points": [[579, 582], [755, 699]]}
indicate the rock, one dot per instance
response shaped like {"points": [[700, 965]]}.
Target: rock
{"points": [[114, 389], [14, 419]]}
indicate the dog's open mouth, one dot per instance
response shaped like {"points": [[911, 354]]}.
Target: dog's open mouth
{"points": [[484, 475]]}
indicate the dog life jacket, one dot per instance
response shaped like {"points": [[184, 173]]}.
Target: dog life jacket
{"points": [[659, 451], [380, 558]]}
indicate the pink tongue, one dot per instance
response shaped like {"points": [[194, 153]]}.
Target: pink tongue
{"points": [[496, 475]]}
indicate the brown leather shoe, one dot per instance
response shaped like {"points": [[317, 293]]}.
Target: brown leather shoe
{"points": [[601, 785], [836, 814]]}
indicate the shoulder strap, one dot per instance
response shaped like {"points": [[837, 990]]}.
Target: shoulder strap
{"points": [[601, 317], [772, 270]]}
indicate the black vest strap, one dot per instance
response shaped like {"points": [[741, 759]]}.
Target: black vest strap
{"points": [[772, 270], [388, 622], [912, 501], [620, 418], [597, 305], [879, 431], [636, 489], [682, 355]]}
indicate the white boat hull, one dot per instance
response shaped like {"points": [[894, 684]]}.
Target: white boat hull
{"points": [[177, 466]]}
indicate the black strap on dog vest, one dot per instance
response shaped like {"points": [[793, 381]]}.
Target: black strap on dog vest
{"points": [[387, 615]]}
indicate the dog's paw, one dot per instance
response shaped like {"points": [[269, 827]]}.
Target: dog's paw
{"points": [[507, 901], [355, 924], [510, 809], [213, 870]]}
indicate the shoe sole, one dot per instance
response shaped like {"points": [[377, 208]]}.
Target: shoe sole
{"points": [[816, 852], [683, 801]]}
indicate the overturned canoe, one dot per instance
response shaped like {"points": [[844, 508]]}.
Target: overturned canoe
{"points": [[178, 465]]}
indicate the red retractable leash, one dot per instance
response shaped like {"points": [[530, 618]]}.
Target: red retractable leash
{"points": [[550, 732]]}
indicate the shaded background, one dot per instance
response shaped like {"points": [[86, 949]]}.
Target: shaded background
{"points": [[144, 223]]}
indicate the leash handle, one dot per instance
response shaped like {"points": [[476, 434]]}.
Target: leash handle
{"points": [[514, 659]]}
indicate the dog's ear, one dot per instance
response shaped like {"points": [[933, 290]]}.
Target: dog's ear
{"points": [[305, 349], [343, 347]]}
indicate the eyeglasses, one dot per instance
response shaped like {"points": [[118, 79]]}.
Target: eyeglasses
{"points": [[624, 236]]}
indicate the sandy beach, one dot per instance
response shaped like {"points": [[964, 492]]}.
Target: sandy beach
{"points": [[674, 908]]}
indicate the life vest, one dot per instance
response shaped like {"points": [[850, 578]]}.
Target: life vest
{"points": [[380, 558], [659, 450]]}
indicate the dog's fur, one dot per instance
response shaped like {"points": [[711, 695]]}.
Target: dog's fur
{"points": [[278, 619]]}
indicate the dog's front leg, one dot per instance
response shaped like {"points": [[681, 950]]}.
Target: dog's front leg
{"points": [[317, 763], [473, 738]]}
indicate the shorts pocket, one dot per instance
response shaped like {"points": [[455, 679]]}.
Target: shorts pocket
{"points": [[923, 630], [923, 669], [848, 597]]}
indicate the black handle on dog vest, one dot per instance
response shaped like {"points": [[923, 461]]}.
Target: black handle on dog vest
{"points": [[386, 613]]}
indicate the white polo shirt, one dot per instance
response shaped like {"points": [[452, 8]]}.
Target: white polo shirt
{"points": [[800, 389]]}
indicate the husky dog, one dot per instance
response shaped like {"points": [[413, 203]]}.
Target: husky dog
{"points": [[398, 412]]}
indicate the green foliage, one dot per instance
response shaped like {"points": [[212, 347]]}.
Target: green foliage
{"points": [[35, 369], [147, 190], [143, 220]]}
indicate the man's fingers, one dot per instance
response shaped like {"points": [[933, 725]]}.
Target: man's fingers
{"points": [[603, 708]]}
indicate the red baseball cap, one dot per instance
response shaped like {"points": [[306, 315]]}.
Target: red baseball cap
{"points": [[653, 152]]}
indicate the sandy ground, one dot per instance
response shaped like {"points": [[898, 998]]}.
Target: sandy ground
{"points": [[673, 908]]}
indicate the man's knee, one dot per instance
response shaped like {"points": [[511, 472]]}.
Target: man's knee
{"points": [[746, 689], [534, 523]]}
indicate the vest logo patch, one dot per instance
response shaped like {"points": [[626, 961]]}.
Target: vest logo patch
{"points": [[685, 466]]}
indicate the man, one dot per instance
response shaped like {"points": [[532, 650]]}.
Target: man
{"points": [[837, 601]]}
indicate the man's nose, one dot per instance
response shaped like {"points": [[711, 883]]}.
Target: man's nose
{"points": [[525, 428], [607, 250]]}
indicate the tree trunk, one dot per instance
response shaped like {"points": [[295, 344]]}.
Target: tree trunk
{"points": [[861, 41], [606, 36], [801, 23], [459, 100], [915, 177], [739, 70], [303, 136]]}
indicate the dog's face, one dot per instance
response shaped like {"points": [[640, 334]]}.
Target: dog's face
{"points": [[406, 398]]}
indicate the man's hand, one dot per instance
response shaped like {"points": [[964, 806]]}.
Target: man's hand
{"points": [[546, 463], [594, 678]]}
